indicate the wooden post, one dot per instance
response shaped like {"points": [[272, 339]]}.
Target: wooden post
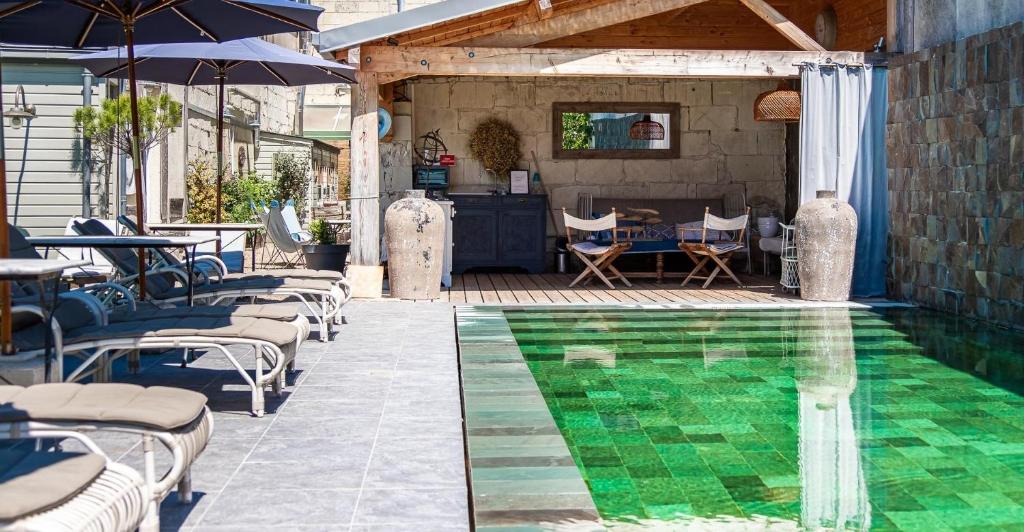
{"points": [[365, 172], [133, 97]]}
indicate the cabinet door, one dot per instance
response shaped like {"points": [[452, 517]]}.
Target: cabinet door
{"points": [[521, 233], [475, 236]]}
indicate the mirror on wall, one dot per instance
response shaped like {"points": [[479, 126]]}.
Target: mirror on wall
{"points": [[615, 130]]}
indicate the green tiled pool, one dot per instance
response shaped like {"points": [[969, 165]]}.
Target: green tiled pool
{"points": [[809, 418]]}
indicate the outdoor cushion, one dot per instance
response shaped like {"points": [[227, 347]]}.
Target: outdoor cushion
{"points": [[771, 245], [158, 407], [291, 273], [276, 312], [724, 247], [33, 481], [590, 248], [261, 283], [277, 333]]}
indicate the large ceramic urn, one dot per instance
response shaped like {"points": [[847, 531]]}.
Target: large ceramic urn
{"points": [[826, 240], [414, 231]]}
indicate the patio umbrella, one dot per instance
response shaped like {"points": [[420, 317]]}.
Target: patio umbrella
{"points": [[243, 62], [84, 23]]}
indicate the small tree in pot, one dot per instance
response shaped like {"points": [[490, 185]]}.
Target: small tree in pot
{"points": [[325, 254]]}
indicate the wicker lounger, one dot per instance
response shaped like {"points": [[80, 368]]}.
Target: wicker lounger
{"points": [[178, 419], [69, 492]]}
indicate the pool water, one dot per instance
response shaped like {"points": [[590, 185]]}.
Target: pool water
{"points": [[801, 418]]}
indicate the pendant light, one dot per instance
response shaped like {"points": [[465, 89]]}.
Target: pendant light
{"points": [[779, 105], [646, 129]]}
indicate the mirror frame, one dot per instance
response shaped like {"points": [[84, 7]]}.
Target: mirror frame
{"points": [[669, 108]]}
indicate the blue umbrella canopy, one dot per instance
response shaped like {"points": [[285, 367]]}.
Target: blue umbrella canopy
{"points": [[250, 61], [89, 23]]}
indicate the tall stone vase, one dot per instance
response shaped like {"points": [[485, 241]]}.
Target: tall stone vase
{"points": [[414, 232], [826, 241]]}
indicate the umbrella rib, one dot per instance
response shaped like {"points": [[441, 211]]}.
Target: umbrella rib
{"points": [[270, 14], [116, 15], [20, 7], [160, 6], [195, 70], [196, 24], [114, 70], [86, 30], [272, 72]]}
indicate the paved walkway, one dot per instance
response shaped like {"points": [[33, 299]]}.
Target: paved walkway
{"points": [[369, 437]]}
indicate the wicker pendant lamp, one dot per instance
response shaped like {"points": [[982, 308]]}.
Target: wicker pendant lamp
{"points": [[779, 105], [646, 129]]}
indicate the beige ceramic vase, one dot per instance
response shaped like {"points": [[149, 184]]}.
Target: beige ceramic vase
{"points": [[414, 231], [826, 240]]}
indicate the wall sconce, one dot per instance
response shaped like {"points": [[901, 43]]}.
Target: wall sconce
{"points": [[22, 113]]}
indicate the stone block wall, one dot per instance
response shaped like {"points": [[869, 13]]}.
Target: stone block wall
{"points": [[723, 149], [956, 176]]}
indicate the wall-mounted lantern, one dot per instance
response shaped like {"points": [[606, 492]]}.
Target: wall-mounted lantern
{"points": [[22, 113]]}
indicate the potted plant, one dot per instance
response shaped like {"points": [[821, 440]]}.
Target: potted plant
{"points": [[325, 253]]}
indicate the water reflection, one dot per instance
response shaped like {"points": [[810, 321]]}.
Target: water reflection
{"points": [[833, 490]]}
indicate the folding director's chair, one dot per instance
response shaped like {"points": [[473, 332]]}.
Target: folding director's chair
{"points": [[597, 259]]}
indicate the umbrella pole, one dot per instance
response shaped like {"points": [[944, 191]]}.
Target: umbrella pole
{"points": [[5, 243], [129, 37], [220, 148]]}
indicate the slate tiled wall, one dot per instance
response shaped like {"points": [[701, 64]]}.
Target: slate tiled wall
{"points": [[956, 178]]}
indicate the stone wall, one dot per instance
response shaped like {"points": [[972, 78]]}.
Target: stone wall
{"points": [[723, 149], [956, 148]]}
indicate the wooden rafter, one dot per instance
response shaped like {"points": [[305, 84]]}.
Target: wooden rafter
{"points": [[784, 26], [472, 61], [564, 22]]}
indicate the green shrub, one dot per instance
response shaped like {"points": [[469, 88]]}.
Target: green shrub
{"points": [[201, 184], [241, 192], [291, 178], [322, 233]]}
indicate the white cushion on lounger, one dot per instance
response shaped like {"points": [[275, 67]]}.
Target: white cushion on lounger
{"points": [[291, 273], [275, 332], [156, 406], [276, 311], [253, 284], [33, 481]]}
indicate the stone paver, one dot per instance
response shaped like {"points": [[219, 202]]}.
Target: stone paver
{"points": [[367, 437]]}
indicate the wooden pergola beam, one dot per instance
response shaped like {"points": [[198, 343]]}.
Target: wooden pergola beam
{"points": [[534, 31], [783, 25], [470, 61]]}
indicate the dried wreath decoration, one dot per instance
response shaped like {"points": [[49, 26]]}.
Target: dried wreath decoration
{"points": [[495, 143]]}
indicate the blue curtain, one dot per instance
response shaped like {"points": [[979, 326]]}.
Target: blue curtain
{"points": [[842, 148]]}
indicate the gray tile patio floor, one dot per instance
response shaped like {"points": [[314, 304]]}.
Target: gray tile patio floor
{"points": [[368, 437]]}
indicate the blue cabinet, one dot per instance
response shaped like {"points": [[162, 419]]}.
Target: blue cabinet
{"points": [[499, 232]]}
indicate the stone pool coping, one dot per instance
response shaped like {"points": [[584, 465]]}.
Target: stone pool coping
{"points": [[522, 474]]}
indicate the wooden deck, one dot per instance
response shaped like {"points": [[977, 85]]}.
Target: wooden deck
{"points": [[523, 289]]}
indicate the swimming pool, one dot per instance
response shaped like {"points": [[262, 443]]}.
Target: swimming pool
{"points": [[837, 418]]}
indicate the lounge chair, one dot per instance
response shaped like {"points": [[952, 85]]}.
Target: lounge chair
{"points": [[162, 285], [175, 418], [98, 345], [596, 258], [60, 491], [717, 251], [220, 270]]}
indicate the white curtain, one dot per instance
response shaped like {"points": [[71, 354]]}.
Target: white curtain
{"points": [[842, 148]]}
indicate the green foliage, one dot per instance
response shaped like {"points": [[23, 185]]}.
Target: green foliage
{"points": [[291, 178], [243, 191], [576, 131], [201, 184], [322, 233], [495, 143], [110, 124]]}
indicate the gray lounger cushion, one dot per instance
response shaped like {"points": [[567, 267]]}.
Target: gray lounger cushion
{"points": [[277, 333], [33, 481], [158, 407], [291, 273], [252, 284], [277, 312]]}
